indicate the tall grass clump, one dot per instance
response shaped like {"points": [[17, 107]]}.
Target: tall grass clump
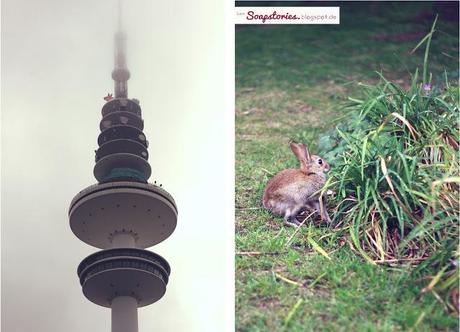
{"points": [[395, 176]]}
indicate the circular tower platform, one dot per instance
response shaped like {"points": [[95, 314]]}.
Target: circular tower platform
{"points": [[128, 160], [146, 212], [121, 118], [112, 273]]}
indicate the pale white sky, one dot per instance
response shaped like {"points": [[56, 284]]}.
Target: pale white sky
{"points": [[56, 61]]}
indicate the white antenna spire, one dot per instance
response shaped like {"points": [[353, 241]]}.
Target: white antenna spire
{"points": [[120, 73], [119, 16]]}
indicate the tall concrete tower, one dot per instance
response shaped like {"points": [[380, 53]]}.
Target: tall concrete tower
{"points": [[123, 214]]}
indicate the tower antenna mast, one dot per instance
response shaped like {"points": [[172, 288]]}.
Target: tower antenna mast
{"points": [[119, 15], [120, 73]]}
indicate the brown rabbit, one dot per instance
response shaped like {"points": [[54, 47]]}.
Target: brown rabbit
{"points": [[291, 190]]}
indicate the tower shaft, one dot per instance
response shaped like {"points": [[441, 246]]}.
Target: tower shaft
{"points": [[123, 240], [124, 314]]}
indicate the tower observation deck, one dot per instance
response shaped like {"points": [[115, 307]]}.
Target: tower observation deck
{"points": [[123, 214]]}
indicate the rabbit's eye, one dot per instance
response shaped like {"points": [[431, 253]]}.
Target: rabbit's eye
{"points": [[320, 161]]}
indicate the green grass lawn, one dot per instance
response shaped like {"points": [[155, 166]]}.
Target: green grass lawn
{"points": [[292, 82]]}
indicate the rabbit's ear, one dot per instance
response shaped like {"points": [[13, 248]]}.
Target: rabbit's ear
{"points": [[306, 152], [302, 154]]}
